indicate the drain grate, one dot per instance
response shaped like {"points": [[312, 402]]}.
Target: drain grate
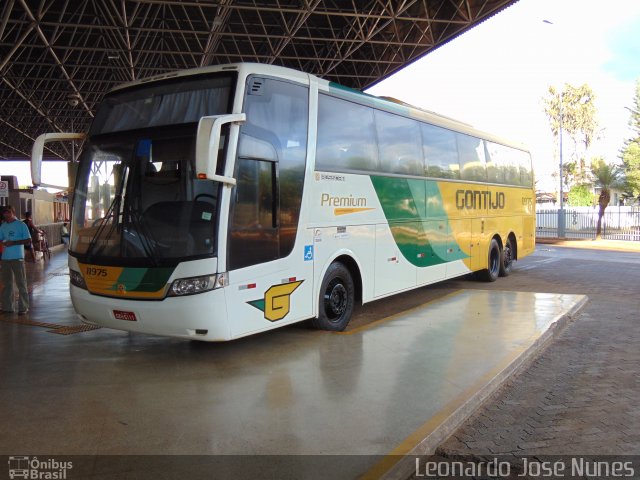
{"points": [[53, 327], [32, 323], [71, 329]]}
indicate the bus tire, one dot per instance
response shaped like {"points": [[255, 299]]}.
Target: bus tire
{"points": [[495, 260], [508, 255], [337, 296]]}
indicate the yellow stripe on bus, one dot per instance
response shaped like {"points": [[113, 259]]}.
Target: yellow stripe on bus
{"points": [[346, 211]]}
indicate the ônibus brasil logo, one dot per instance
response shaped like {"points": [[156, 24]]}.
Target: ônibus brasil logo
{"points": [[34, 468]]}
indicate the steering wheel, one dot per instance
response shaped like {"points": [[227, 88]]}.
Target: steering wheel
{"points": [[207, 195]]}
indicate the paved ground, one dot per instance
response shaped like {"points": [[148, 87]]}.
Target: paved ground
{"points": [[581, 396], [289, 391], [40, 271]]}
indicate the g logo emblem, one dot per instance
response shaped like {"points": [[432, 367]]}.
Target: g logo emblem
{"points": [[276, 303]]}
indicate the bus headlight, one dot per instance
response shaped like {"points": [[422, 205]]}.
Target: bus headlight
{"points": [[193, 285], [77, 280]]}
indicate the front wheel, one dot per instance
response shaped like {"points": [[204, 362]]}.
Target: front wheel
{"points": [[508, 257], [495, 260], [336, 301]]}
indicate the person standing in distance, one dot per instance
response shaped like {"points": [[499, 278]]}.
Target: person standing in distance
{"points": [[14, 235]]}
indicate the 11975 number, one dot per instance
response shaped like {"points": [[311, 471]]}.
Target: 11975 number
{"points": [[96, 272]]}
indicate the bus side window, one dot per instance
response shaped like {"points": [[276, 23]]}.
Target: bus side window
{"points": [[495, 163], [399, 144], [346, 136], [440, 152], [274, 137], [472, 161], [254, 232], [512, 169], [526, 174]]}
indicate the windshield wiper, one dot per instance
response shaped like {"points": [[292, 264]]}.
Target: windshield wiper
{"points": [[143, 235], [102, 225]]}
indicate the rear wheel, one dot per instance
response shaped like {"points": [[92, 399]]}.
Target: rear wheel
{"points": [[508, 257], [337, 294], [495, 260]]}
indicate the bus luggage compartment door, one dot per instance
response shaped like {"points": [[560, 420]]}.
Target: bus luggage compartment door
{"points": [[393, 272]]}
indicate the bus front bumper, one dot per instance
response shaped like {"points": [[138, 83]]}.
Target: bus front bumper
{"points": [[195, 317]]}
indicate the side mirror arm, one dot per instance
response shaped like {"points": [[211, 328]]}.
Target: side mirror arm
{"points": [[208, 144], [38, 151]]}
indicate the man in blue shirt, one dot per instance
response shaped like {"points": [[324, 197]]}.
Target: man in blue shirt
{"points": [[14, 235]]}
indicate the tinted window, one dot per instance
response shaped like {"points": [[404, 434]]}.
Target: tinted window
{"points": [[524, 162], [185, 100], [509, 165], [346, 136], [399, 144], [496, 158], [471, 156], [137, 201], [276, 126], [511, 168], [253, 231], [440, 152], [506, 162], [274, 138]]}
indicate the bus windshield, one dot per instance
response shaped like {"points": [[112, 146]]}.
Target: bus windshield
{"points": [[137, 199], [174, 102]]}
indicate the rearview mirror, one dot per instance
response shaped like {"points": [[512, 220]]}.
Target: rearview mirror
{"points": [[37, 153], [208, 143]]}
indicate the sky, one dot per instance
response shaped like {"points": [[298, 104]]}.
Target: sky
{"points": [[495, 75]]}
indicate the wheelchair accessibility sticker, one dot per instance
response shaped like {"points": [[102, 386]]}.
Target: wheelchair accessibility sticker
{"points": [[308, 253]]}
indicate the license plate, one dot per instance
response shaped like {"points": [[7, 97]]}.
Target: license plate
{"points": [[122, 315]]}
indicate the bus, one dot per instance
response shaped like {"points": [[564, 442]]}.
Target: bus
{"points": [[220, 202]]}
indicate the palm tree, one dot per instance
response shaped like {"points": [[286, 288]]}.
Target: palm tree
{"points": [[606, 177]]}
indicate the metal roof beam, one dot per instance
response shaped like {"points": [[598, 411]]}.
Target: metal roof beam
{"points": [[16, 46], [53, 54], [245, 35], [54, 45], [127, 39], [376, 28], [6, 12], [30, 103], [12, 147], [262, 8], [213, 39], [298, 22], [21, 132]]}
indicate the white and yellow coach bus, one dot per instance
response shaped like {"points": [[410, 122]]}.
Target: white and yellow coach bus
{"points": [[216, 203]]}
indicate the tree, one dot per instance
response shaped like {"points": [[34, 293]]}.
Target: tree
{"points": [[575, 110], [581, 196], [630, 153], [607, 177]]}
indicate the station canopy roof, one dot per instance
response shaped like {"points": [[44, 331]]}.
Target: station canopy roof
{"points": [[51, 49]]}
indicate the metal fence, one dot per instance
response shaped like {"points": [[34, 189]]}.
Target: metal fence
{"points": [[618, 223]]}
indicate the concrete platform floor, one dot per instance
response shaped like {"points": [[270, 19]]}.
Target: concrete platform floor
{"points": [[377, 389]]}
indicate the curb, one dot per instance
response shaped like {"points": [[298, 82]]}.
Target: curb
{"points": [[467, 403], [609, 245]]}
